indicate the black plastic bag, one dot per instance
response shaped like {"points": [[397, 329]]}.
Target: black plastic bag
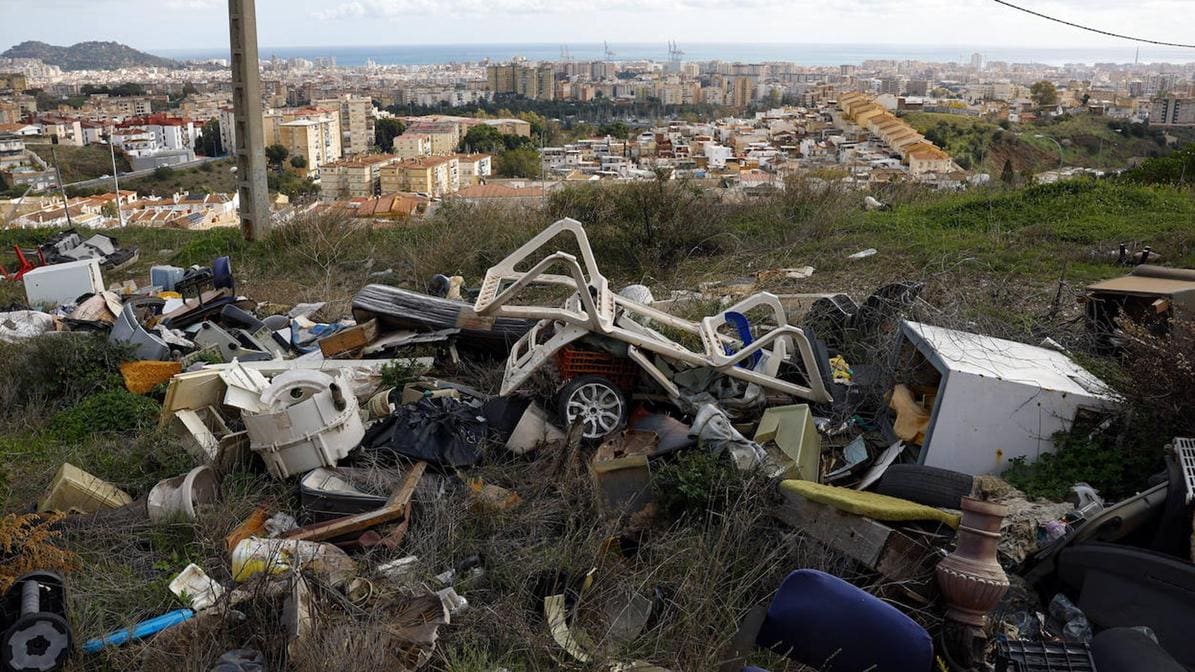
{"points": [[440, 431]]}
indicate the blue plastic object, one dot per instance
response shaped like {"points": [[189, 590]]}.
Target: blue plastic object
{"points": [[822, 621], [741, 325], [222, 273], [142, 629], [165, 277]]}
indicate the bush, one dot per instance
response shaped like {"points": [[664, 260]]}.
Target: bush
{"points": [[57, 370], [107, 413], [696, 484], [1177, 168], [1114, 470], [1119, 459], [646, 225]]}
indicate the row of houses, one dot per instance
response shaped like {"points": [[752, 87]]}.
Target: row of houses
{"points": [[921, 155], [113, 210]]}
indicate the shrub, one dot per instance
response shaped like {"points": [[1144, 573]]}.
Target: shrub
{"points": [[57, 370], [1117, 460], [1097, 459], [650, 225], [695, 484], [397, 373], [116, 411]]}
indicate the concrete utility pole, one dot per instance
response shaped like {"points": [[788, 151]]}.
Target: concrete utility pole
{"points": [[250, 150]]}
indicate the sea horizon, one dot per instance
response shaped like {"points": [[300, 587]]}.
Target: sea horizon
{"points": [[800, 53]]}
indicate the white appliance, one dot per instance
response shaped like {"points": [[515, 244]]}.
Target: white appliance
{"points": [[63, 283], [998, 400]]}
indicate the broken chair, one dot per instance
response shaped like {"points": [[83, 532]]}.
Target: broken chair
{"points": [[619, 324]]}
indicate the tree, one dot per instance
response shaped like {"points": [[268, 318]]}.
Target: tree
{"points": [[128, 89], [521, 162], [298, 161], [616, 130], [1008, 176], [1043, 94], [276, 154], [385, 130], [162, 173], [208, 142], [483, 138], [108, 209]]}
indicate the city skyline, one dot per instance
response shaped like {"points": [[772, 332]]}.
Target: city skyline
{"points": [[965, 25]]}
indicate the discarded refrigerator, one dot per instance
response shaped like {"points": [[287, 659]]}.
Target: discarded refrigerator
{"points": [[991, 400]]}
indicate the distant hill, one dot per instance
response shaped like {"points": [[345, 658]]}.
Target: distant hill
{"points": [[89, 56]]}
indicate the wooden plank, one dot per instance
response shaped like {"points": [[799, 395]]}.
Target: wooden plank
{"points": [[349, 340], [860, 538], [394, 539], [394, 508], [894, 554]]}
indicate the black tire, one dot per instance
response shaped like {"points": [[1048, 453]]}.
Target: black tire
{"points": [[597, 392], [926, 485]]}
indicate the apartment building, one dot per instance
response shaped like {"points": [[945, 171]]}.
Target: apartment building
{"points": [[510, 126], [358, 177], [356, 122], [434, 176], [474, 168], [68, 131], [535, 82], [312, 133], [13, 81], [1172, 111], [119, 106], [444, 134], [412, 145]]}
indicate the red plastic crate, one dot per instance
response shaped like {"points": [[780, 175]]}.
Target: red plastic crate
{"points": [[573, 362]]}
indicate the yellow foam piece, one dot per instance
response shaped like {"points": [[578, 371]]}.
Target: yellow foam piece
{"points": [[143, 376], [868, 504]]}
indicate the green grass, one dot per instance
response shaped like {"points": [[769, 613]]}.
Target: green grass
{"points": [[81, 163], [213, 177], [1087, 141]]}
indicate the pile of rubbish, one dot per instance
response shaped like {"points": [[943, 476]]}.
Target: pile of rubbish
{"points": [[68, 247], [881, 435]]}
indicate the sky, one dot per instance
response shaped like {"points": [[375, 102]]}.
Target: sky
{"points": [[969, 24]]}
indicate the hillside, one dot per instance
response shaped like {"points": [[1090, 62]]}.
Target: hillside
{"points": [[1087, 141], [1002, 261], [80, 163], [89, 56]]}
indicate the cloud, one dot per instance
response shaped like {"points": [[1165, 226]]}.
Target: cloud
{"points": [[192, 4]]}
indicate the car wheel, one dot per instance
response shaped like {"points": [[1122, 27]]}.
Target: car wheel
{"points": [[597, 402]]}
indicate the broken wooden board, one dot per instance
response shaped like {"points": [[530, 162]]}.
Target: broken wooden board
{"points": [[394, 509], [883, 549], [349, 340]]}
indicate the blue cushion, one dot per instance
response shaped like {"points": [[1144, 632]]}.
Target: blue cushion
{"points": [[820, 620]]}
